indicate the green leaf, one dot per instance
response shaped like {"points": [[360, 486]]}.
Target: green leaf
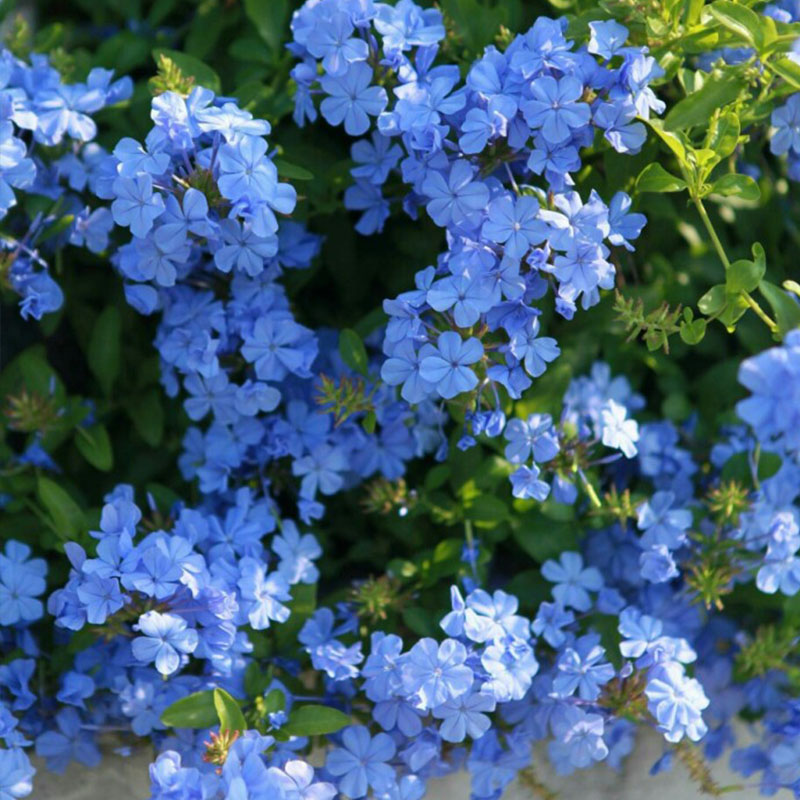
{"points": [[734, 185], [713, 301], [693, 332], [195, 711], [274, 701], [419, 621], [94, 445], [724, 134], [735, 308], [69, 521], [105, 345], [352, 351], [486, 510], [291, 171], [369, 422], [269, 18], [698, 108], [301, 607], [315, 720], [788, 69], [147, 414], [741, 21], [229, 713], [744, 276], [654, 178], [541, 537], [670, 139], [786, 310], [192, 67]]}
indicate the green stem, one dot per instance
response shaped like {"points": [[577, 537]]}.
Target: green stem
{"points": [[590, 490], [471, 545], [701, 209], [723, 257], [763, 316]]}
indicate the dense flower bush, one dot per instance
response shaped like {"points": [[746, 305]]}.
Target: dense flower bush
{"points": [[327, 467]]}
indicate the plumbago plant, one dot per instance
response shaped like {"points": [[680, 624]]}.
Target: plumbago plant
{"points": [[327, 468]]}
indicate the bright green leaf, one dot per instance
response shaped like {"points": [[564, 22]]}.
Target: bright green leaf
{"points": [[696, 109], [786, 310], [315, 720], [740, 20], [788, 69], [195, 711], [228, 711], [713, 301], [734, 185], [693, 332], [724, 134], [654, 178], [744, 276]]}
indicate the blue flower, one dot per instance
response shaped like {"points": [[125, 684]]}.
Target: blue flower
{"points": [[245, 172], [447, 366], [533, 350], [322, 469], [534, 436], [136, 206], [555, 107], [786, 121], [607, 38], [243, 249], [165, 638], [579, 737], [525, 484], [22, 581], [515, 224], [551, 619], [619, 431], [334, 44], [436, 673], [676, 701], [662, 523], [265, 594], [351, 99], [457, 198], [467, 297], [573, 582], [101, 598], [375, 159], [464, 716], [657, 565], [16, 774], [580, 668], [403, 367], [617, 120], [70, 741], [360, 763]]}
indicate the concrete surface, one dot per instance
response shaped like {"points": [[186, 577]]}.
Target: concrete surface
{"points": [[126, 779]]}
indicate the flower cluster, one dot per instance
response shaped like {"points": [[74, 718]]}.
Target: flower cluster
{"points": [[203, 200], [469, 154], [45, 127], [198, 627]]}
